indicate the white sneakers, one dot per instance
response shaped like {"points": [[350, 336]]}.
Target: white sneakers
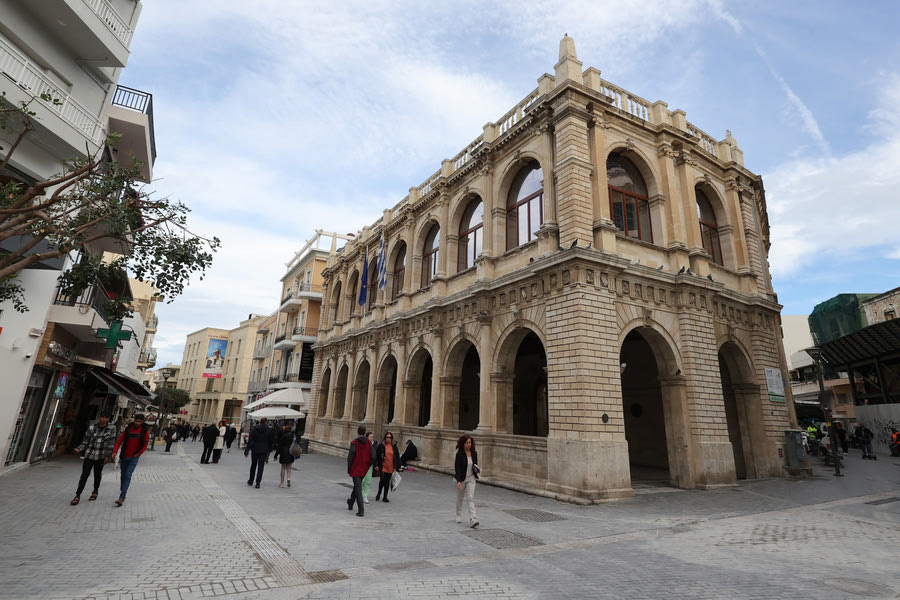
{"points": [[366, 500], [458, 519]]}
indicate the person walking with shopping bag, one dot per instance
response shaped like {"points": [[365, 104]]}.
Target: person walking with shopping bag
{"points": [[466, 474], [387, 462]]}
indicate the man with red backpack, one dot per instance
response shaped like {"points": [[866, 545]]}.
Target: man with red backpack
{"points": [[359, 459], [133, 442]]}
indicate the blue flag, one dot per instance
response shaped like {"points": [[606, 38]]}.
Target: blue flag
{"points": [[364, 282]]}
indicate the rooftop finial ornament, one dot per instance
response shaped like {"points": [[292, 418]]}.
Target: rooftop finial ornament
{"points": [[568, 67]]}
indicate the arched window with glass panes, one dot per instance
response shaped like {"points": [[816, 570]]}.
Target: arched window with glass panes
{"points": [[399, 272], [430, 255], [525, 206], [628, 203], [471, 234], [709, 227]]}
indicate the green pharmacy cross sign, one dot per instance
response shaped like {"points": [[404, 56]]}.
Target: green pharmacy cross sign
{"points": [[114, 334]]}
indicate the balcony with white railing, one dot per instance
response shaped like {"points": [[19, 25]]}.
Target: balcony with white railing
{"points": [[305, 334], [32, 80], [90, 28], [310, 291]]}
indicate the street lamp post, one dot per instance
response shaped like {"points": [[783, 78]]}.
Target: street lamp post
{"points": [[166, 374], [816, 354]]}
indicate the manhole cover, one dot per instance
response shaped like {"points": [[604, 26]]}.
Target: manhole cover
{"points": [[859, 587], [326, 576], [502, 539], [534, 516], [884, 501]]}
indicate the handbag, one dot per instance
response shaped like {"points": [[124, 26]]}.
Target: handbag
{"points": [[295, 449], [395, 481]]}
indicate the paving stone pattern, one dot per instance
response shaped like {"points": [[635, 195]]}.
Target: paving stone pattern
{"points": [[192, 531]]}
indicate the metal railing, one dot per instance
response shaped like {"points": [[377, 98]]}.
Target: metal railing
{"points": [[152, 322], [281, 338], [306, 331], [310, 287], [95, 297], [142, 102], [288, 296], [262, 352], [148, 356]]}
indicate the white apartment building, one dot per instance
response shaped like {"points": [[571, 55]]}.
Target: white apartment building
{"points": [[73, 50]]}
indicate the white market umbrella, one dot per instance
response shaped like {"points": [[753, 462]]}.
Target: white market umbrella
{"points": [[274, 412]]}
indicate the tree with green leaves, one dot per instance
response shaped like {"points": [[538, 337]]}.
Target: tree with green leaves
{"points": [[169, 400], [94, 200]]}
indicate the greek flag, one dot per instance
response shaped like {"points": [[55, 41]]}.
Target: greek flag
{"points": [[382, 267]]}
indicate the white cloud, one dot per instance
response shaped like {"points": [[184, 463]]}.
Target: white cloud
{"points": [[839, 206]]}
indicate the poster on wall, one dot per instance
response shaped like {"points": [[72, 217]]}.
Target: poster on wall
{"points": [[775, 383], [215, 358]]}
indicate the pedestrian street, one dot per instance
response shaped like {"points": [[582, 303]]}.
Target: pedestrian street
{"points": [[199, 531]]}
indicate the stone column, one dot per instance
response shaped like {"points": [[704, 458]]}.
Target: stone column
{"points": [[370, 392], [712, 452], [450, 401], [502, 397], [574, 199], [587, 454], [670, 188], [436, 418], [489, 247], [487, 405], [604, 228], [678, 430]]}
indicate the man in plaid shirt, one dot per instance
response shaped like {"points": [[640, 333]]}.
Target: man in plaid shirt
{"points": [[97, 447]]}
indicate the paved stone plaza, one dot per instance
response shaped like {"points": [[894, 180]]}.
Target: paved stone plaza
{"points": [[192, 531]]}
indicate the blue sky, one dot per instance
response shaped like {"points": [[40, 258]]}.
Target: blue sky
{"points": [[275, 118]]}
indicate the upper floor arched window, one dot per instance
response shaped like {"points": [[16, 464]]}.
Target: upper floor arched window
{"points": [[336, 315], [399, 272], [430, 254], [471, 234], [525, 206], [372, 291], [709, 227], [628, 203]]}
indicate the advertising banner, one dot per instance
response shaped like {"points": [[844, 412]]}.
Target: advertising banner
{"points": [[215, 358]]}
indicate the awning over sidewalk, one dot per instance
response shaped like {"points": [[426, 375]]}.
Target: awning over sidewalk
{"points": [[123, 386], [807, 398], [281, 397]]}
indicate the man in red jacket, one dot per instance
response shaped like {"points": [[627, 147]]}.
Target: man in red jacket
{"points": [[133, 441], [360, 458]]}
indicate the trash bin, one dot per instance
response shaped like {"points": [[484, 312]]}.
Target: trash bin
{"points": [[793, 448]]}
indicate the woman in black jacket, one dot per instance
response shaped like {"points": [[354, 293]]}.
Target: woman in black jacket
{"points": [[466, 475], [387, 462], [283, 449]]}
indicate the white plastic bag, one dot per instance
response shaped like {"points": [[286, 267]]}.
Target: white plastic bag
{"points": [[395, 481]]}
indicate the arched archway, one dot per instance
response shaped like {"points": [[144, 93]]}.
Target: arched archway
{"points": [[385, 395], [461, 387], [530, 415], [743, 413], [642, 405], [340, 392], [323, 393], [360, 392], [418, 401]]}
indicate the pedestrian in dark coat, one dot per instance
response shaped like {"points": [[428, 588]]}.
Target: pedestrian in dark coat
{"points": [[229, 437], [387, 462], [283, 448], [259, 444], [208, 435], [359, 459], [411, 453]]}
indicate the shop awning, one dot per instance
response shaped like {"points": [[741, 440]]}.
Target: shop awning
{"points": [[881, 341], [123, 386], [283, 397], [807, 398]]}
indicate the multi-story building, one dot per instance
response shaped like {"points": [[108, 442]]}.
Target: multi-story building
{"points": [[584, 288], [74, 51], [215, 370]]}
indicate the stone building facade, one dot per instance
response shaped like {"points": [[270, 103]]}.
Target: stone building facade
{"points": [[584, 288]]}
